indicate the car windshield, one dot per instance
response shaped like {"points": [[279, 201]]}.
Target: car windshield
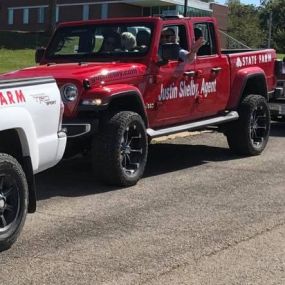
{"points": [[101, 41]]}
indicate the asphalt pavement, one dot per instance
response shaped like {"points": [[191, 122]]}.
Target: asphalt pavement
{"points": [[200, 215]]}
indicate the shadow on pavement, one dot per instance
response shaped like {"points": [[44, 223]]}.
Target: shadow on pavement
{"points": [[74, 177], [164, 158]]}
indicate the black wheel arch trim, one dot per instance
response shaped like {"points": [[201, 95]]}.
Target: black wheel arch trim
{"points": [[137, 96], [237, 96], [28, 169], [245, 82]]}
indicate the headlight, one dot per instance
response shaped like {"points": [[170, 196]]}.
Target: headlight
{"points": [[69, 92]]}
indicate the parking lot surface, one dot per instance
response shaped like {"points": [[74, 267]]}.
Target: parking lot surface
{"points": [[200, 215]]}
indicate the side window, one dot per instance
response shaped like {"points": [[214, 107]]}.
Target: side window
{"points": [[174, 34], [207, 31]]}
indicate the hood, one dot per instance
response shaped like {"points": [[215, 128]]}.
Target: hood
{"points": [[94, 72]]}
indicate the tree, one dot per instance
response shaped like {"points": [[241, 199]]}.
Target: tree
{"points": [[244, 24], [277, 8], [232, 2]]}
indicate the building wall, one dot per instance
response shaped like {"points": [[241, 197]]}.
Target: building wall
{"points": [[124, 10], [221, 12], [68, 10], [72, 10]]}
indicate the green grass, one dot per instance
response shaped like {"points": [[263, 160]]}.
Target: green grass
{"points": [[16, 59], [280, 55], [17, 49]]}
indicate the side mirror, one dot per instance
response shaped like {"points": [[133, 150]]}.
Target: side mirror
{"points": [[162, 62], [39, 54]]}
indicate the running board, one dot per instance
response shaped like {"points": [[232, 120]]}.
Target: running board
{"points": [[231, 116]]}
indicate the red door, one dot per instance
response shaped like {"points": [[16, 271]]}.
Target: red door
{"points": [[212, 73], [173, 90], [174, 96], [213, 81]]}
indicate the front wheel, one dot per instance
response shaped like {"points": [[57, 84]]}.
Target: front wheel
{"points": [[119, 150], [249, 134], [13, 200]]}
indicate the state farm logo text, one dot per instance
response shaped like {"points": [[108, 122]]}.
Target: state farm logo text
{"points": [[253, 59], [12, 97]]}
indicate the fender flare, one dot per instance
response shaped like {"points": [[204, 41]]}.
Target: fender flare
{"points": [[26, 131], [112, 93], [135, 94], [240, 82]]}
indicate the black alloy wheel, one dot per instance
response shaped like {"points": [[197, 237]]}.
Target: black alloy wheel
{"points": [[9, 201], [259, 127], [250, 133], [119, 150], [13, 200], [132, 149]]}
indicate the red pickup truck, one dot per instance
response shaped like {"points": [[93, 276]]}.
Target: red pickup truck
{"points": [[122, 87]]}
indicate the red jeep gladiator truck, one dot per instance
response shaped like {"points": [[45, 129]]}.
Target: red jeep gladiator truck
{"points": [[122, 87]]}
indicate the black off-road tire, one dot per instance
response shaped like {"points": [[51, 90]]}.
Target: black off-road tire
{"points": [[119, 150], [249, 134], [13, 200]]}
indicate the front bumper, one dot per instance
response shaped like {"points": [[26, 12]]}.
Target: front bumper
{"points": [[61, 145], [80, 128], [277, 101], [51, 151], [277, 108]]}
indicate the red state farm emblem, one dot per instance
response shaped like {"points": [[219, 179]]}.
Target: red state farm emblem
{"points": [[12, 97]]}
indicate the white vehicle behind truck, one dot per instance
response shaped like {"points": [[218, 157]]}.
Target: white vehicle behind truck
{"points": [[277, 99], [31, 140]]}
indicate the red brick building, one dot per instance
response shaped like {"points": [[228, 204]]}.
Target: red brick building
{"points": [[32, 15]]}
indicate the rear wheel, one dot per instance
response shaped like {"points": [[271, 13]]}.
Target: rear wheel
{"points": [[13, 200], [249, 134], [119, 151]]}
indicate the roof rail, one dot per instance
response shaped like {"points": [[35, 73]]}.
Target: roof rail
{"points": [[169, 15]]}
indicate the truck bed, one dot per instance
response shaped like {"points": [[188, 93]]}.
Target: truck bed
{"points": [[230, 51], [261, 61]]}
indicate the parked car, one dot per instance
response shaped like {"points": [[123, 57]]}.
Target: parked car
{"points": [[31, 140]]}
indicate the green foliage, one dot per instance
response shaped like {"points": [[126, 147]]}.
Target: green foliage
{"points": [[277, 7], [244, 24], [250, 24], [232, 2]]}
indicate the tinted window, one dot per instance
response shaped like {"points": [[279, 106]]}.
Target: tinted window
{"points": [[207, 31], [101, 41]]}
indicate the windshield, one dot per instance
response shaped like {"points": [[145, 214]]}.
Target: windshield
{"points": [[101, 41]]}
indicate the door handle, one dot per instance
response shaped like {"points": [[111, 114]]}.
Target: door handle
{"points": [[216, 69], [190, 73]]}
